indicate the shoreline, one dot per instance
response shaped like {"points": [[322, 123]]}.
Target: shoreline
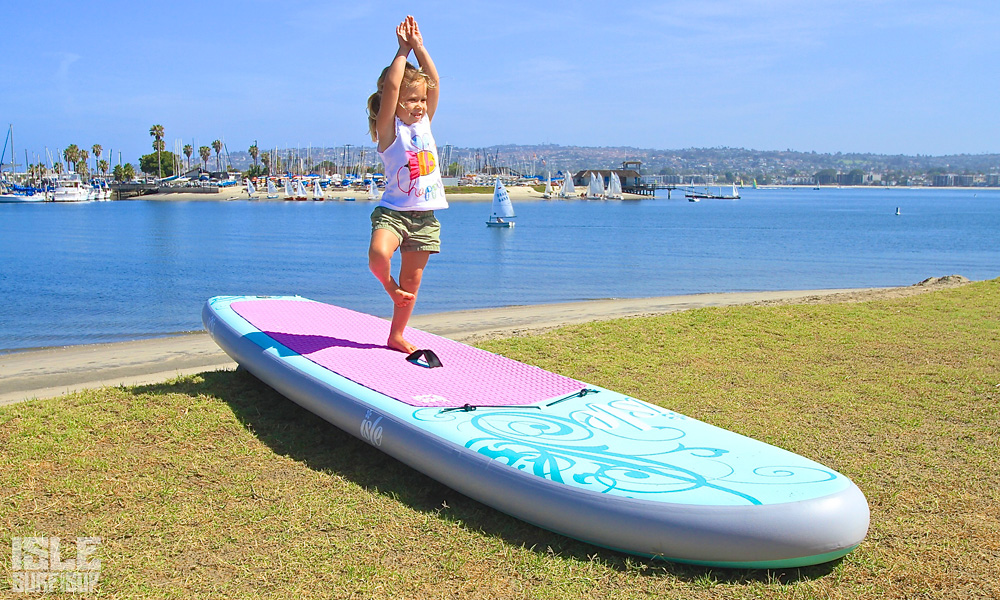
{"points": [[517, 194], [51, 372]]}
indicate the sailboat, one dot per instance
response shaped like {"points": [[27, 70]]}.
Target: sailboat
{"points": [[272, 192], [251, 190], [372, 191], [568, 190], [300, 190], [694, 196], [615, 187], [548, 187], [502, 214], [318, 191], [595, 190], [289, 190]]}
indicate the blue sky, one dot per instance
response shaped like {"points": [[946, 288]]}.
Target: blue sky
{"points": [[884, 76]]}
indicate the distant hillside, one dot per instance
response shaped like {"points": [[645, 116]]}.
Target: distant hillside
{"points": [[762, 164]]}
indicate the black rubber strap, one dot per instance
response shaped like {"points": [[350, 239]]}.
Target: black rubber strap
{"points": [[431, 360]]}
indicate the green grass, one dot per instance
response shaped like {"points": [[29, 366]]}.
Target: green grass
{"points": [[468, 189], [214, 485]]}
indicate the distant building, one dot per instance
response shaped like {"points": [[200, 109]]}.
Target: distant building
{"points": [[944, 180], [628, 177]]}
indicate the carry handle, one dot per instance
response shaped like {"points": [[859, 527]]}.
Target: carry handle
{"points": [[431, 360]]}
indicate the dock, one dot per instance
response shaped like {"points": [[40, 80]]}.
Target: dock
{"points": [[128, 190], [641, 189]]}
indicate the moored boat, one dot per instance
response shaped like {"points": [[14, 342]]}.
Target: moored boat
{"points": [[70, 188]]}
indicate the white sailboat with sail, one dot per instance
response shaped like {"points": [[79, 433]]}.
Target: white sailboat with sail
{"points": [[318, 191], [595, 190], [289, 190], [300, 190], [502, 213], [615, 187], [251, 190], [548, 187], [272, 192], [568, 190], [372, 191]]}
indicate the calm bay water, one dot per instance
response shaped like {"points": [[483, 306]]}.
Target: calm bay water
{"points": [[101, 272]]}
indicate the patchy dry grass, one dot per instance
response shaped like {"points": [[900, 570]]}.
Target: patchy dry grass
{"points": [[215, 485]]}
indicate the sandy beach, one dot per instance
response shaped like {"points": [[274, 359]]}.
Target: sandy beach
{"points": [[52, 372], [517, 193]]}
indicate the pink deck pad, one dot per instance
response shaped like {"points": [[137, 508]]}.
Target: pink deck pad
{"points": [[352, 344]]}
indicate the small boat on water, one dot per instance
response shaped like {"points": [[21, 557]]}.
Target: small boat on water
{"points": [[695, 196], [70, 188], [502, 213], [13, 193], [272, 192], [300, 190]]}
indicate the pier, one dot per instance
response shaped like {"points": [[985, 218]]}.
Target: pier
{"points": [[641, 189], [128, 190]]}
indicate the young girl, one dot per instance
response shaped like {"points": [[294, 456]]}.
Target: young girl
{"points": [[399, 119]]}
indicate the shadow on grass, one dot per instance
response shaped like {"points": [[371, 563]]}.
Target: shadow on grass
{"points": [[292, 431]]}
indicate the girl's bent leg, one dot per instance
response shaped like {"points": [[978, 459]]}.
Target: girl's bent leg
{"points": [[410, 273], [380, 251]]}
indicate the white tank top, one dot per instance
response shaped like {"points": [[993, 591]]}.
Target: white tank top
{"points": [[412, 174]]}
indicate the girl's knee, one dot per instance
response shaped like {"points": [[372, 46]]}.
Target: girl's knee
{"points": [[410, 281]]}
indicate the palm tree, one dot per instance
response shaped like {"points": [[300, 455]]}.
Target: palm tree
{"points": [[71, 154], [266, 159], [254, 152], [97, 149], [102, 166], [81, 165], [157, 132], [188, 151], [217, 146], [205, 152]]}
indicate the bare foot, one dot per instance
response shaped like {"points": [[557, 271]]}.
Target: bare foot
{"points": [[401, 297], [399, 343]]}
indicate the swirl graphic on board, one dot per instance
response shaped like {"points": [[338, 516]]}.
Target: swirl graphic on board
{"points": [[624, 447]]}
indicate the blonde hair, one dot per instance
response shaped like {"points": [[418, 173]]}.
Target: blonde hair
{"points": [[411, 76]]}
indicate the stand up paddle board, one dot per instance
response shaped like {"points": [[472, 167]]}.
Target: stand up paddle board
{"points": [[571, 457]]}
